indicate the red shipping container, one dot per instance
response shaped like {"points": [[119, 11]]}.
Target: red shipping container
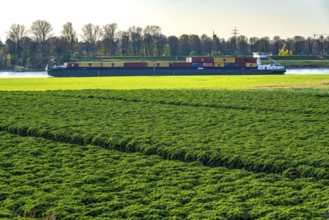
{"points": [[135, 64], [207, 59], [251, 60], [208, 64], [240, 60], [180, 64]]}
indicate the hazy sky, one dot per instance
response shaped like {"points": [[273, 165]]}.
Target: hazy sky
{"points": [[285, 18]]}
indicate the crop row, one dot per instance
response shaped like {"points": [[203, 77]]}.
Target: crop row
{"points": [[288, 142], [309, 101], [40, 178]]}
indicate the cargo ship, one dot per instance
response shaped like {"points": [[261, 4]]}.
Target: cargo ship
{"points": [[196, 66]]}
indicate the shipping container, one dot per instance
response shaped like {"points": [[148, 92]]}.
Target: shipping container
{"points": [[157, 64], [219, 64], [240, 65], [251, 64], [71, 65], [197, 65], [199, 59], [251, 60], [118, 64], [218, 60], [135, 64], [224, 60], [151, 64], [84, 64], [207, 59], [230, 65], [241, 60], [106, 64], [180, 64], [208, 64], [90, 64], [112, 64]]}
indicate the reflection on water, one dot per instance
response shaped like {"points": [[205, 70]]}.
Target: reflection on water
{"points": [[23, 74], [45, 75], [307, 71]]}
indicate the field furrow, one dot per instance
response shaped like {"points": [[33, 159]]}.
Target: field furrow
{"points": [[283, 132], [42, 179]]}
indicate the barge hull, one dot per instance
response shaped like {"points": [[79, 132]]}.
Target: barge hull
{"points": [[159, 71]]}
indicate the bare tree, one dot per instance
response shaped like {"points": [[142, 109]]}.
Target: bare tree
{"points": [[309, 45], [173, 43], [42, 31], [136, 37], [232, 45], [69, 35], [243, 45], [110, 38], [252, 42], [90, 35], [262, 44], [15, 34], [276, 45], [152, 40], [124, 42], [299, 45], [206, 44], [184, 44], [195, 44]]}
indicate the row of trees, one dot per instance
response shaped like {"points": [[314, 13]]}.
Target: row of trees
{"points": [[35, 46]]}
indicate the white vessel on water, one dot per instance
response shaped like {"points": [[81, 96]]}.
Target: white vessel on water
{"points": [[260, 66]]}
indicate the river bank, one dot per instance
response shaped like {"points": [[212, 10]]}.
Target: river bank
{"points": [[43, 74]]}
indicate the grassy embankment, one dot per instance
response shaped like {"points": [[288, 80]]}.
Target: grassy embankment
{"points": [[168, 82]]}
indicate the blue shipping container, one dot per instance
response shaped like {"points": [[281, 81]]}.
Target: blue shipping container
{"points": [[197, 65]]}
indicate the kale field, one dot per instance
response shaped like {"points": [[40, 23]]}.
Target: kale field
{"points": [[164, 154]]}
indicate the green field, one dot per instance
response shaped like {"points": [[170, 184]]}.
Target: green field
{"points": [[242, 147], [167, 82]]}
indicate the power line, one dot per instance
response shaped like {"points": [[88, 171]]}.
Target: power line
{"points": [[235, 32]]}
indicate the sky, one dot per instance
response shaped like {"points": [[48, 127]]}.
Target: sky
{"points": [[252, 18]]}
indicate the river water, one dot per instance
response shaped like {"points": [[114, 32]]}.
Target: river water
{"points": [[45, 75]]}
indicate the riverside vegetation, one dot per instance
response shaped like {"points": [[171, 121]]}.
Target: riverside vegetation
{"points": [[164, 154], [167, 82]]}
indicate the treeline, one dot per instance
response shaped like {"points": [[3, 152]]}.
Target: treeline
{"points": [[34, 47]]}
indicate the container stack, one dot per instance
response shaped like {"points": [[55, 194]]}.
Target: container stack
{"points": [[225, 62], [180, 64], [157, 64], [113, 64], [200, 62], [209, 62], [191, 62], [71, 65], [135, 64], [245, 62], [251, 62]]}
